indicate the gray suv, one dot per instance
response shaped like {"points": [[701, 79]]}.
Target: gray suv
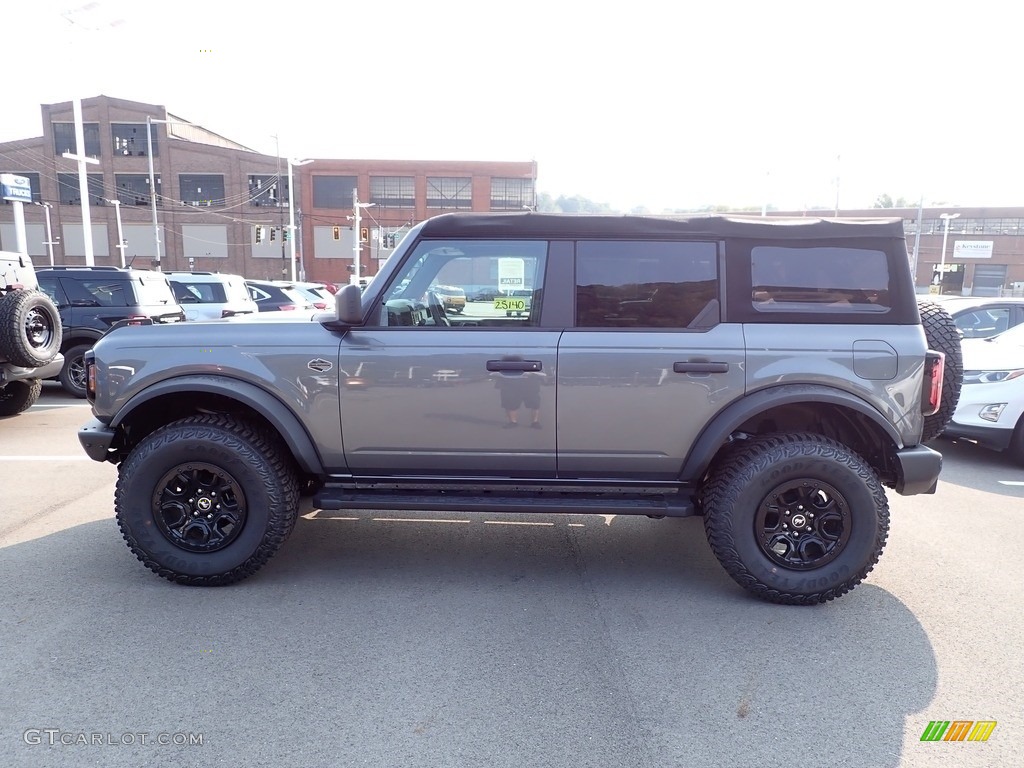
{"points": [[30, 335], [770, 376]]}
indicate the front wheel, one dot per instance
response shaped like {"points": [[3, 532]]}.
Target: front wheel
{"points": [[206, 500], [72, 375], [796, 519]]}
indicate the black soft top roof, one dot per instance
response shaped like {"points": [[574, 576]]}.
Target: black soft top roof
{"points": [[553, 225]]}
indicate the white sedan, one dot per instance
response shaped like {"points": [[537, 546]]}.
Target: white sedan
{"points": [[992, 398]]}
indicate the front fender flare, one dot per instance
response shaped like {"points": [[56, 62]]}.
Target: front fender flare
{"points": [[727, 421], [266, 404]]}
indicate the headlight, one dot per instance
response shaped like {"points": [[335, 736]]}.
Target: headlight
{"points": [[991, 377]]}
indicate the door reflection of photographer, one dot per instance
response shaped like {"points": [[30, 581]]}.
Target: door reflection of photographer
{"points": [[519, 390]]}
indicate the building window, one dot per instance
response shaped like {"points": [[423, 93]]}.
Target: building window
{"points": [[333, 191], [449, 193], [130, 139], [264, 191], [511, 194], [67, 186], [201, 189], [133, 188], [33, 180], [393, 191], [64, 139]]}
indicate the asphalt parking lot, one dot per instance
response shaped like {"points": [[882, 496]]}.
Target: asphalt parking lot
{"points": [[460, 640]]}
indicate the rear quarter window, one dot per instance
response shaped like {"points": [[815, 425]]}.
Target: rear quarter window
{"points": [[819, 279]]}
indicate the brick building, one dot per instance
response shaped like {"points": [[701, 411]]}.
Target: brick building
{"points": [[224, 207]]}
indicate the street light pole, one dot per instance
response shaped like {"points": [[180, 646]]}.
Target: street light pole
{"points": [[120, 233], [49, 232], [291, 208], [942, 257], [357, 245], [152, 185]]}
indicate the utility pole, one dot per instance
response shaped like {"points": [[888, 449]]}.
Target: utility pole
{"points": [[356, 245], [152, 185], [280, 211], [121, 245], [49, 232], [83, 180]]}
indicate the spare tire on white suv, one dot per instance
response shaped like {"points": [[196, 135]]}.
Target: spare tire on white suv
{"points": [[30, 335]]}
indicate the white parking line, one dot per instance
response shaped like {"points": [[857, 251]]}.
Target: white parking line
{"points": [[75, 457]]}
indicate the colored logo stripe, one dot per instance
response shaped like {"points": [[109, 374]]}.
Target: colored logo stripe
{"points": [[958, 730]]}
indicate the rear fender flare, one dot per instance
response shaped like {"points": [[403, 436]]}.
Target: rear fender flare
{"points": [[728, 421]]}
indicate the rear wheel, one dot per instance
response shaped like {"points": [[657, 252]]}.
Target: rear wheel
{"points": [[206, 500], [941, 332], [797, 519], [19, 396]]}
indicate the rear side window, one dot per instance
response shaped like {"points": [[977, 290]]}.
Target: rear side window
{"points": [[203, 293], [96, 292], [153, 289], [819, 279], [642, 284]]}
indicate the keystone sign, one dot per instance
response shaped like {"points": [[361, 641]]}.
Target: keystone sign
{"points": [[972, 249]]}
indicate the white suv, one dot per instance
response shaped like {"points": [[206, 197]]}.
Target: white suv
{"points": [[211, 295]]}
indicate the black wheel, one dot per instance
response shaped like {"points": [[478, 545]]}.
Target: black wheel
{"points": [[72, 375], [19, 396], [206, 500], [941, 332], [30, 329], [796, 519]]}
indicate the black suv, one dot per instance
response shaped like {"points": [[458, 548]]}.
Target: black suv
{"points": [[92, 299]]}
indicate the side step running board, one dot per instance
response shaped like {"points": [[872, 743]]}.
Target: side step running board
{"points": [[667, 505]]}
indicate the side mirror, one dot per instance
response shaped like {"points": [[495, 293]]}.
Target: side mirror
{"points": [[348, 307]]}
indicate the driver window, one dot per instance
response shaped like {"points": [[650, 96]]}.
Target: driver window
{"points": [[468, 284]]}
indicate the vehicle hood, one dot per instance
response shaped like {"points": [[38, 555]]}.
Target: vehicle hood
{"points": [[982, 355]]}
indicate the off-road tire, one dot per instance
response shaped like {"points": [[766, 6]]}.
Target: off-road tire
{"points": [[30, 329], [748, 482], [941, 332], [207, 453], [72, 374], [19, 396]]}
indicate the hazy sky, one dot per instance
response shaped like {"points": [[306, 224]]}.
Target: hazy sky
{"points": [[662, 104]]}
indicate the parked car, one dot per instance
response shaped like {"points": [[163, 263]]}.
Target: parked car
{"points": [[978, 317], [271, 296], [452, 297], [92, 299], [991, 408], [318, 293], [30, 334], [648, 378], [211, 295]]}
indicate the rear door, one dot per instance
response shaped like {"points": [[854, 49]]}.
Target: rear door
{"points": [[647, 363], [156, 299]]}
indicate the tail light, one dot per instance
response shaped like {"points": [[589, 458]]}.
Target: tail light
{"points": [[287, 307], [135, 319], [320, 304], [931, 392]]}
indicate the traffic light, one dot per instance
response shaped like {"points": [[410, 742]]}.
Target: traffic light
{"points": [[273, 233], [337, 233], [364, 234], [259, 234], [284, 235]]}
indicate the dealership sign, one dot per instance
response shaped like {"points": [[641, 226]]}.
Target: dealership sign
{"points": [[15, 188], [972, 249]]}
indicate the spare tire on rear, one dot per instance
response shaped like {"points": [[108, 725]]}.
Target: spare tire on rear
{"points": [[30, 329], [943, 336]]}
